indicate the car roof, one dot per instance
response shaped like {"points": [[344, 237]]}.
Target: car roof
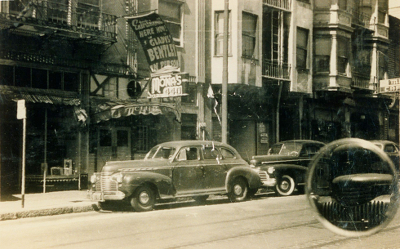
{"points": [[193, 142], [301, 141], [384, 142]]}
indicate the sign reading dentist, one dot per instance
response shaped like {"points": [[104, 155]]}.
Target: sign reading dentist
{"points": [[156, 40]]}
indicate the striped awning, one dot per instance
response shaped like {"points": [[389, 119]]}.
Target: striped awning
{"points": [[34, 95], [103, 109]]}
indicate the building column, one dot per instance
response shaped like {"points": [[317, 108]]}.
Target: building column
{"points": [[333, 72], [373, 80]]}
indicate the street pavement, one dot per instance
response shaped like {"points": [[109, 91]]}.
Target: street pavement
{"points": [[44, 204]]}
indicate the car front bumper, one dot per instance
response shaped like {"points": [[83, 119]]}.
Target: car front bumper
{"points": [[107, 196]]}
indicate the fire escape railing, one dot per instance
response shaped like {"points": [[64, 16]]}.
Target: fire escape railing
{"points": [[86, 19], [276, 70], [282, 4]]}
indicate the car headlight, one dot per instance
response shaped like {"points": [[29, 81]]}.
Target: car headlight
{"points": [[93, 178], [117, 177], [270, 170]]}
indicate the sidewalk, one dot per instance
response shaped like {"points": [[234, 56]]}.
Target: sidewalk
{"points": [[43, 204]]}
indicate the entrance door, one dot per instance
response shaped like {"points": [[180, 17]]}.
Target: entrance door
{"points": [[114, 144]]}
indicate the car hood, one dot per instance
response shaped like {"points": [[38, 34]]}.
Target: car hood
{"points": [[273, 158], [113, 166]]}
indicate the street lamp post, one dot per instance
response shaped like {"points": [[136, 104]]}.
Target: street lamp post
{"points": [[225, 74]]}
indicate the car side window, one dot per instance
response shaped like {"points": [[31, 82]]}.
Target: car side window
{"points": [[227, 154], [210, 153], [390, 148], [188, 153]]}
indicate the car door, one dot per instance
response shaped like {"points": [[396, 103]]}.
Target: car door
{"points": [[187, 174], [214, 169]]}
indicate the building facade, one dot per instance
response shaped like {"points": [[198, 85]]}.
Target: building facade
{"points": [[297, 69]]}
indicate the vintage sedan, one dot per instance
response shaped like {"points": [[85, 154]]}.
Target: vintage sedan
{"points": [[391, 149], [285, 165], [176, 169]]}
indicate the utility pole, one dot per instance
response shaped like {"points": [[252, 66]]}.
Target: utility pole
{"points": [[225, 74]]}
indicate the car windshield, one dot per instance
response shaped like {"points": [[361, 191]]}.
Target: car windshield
{"points": [[285, 149], [160, 152]]}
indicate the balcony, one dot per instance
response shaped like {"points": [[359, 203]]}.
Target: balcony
{"points": [[360, 19], [360, 81], [275, 70], [280, 4], [48, 17]]}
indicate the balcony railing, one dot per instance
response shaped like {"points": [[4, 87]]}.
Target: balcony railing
{"points": [[57, 61], [81, 19], [272, 69], [360, 18], [281, 4], [360, 81]]}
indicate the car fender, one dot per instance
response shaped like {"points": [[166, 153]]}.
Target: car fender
{"points": [[251, 175], [297, 171], [132, 180]]}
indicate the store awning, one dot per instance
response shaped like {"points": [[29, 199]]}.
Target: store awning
{"points": [[105, 109], [34, 95]]}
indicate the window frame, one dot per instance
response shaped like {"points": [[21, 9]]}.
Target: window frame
{"points": [[251, 35], [219, 35], [168, 20], [305, 64]]}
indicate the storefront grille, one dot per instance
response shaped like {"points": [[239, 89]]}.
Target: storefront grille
{"points": [[106, 183]]}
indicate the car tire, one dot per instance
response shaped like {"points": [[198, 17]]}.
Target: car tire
{"points": [[143, 199], [200, 198], [285, 185], [238, 190]]}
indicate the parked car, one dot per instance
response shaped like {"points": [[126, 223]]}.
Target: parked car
{"points": [[170, 170], [285, 165], [391, 149]]}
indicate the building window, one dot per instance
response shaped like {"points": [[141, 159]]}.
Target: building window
{"points": [[343, 55], [219, 33], [6, 75], [342, 4], [171, 14], [143, 138], [190, 89], [302, 48], [322, 54], [249, 35]]}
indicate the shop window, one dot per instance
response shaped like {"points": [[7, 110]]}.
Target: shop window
{"points": [[302, 48], [171, 13], [122, 138], [55, 80], [191, 90], [143, 138], [105, 138], [322, 54], [71, 82], [343, 55], [23, 77], [219, 33], [6, 75], [342, 4], [249, 35]]}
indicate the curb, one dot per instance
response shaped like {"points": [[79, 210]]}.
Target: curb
{"points": [[48, 212]]}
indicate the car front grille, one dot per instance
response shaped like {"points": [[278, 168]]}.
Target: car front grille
{"points": [[364, 216], [263, 175], [106, 184]]}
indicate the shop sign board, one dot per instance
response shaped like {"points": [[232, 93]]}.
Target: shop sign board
{"points": [[155, 39], [389, 85], [166, 85]]}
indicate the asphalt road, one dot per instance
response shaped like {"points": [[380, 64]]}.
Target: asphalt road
{"points": [[265, 222]]}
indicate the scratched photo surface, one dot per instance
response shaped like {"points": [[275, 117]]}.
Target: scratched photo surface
{"points": [[199, 123]]}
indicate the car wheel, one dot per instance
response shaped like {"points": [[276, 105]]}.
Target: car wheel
{"points": [[200, 198], [239, 190], [285, 185], [143, 199]]}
